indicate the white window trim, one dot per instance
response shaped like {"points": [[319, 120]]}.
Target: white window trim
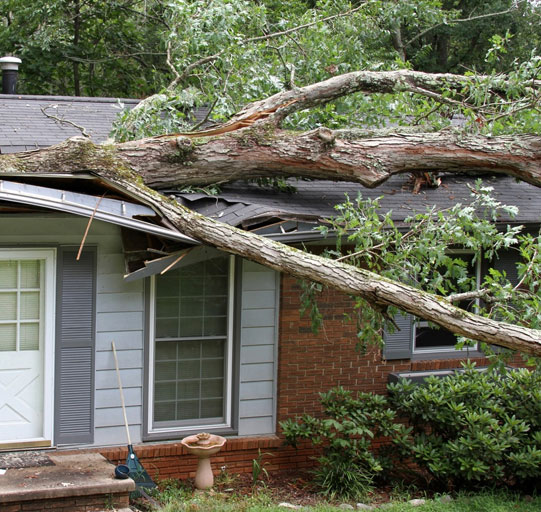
{"points": [[228, 395], [49, 286], [423, 323]]}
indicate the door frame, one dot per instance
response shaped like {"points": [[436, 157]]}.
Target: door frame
{"points": [[49, 312]]}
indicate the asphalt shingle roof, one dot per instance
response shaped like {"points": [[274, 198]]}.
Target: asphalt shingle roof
{"points": [[241, 203], [25, 125]]}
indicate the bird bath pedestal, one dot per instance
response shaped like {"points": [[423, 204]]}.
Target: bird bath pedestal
{"points": [[204, 446]]}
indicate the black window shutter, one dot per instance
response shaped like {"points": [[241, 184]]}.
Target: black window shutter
{"points": [[75, 347], [507, 261], [398, 344]]}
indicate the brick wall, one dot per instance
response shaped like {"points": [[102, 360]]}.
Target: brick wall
{"points": [[171, 460], [310, 363]]}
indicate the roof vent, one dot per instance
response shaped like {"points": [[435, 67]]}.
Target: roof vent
{"points": [[10, 67]]}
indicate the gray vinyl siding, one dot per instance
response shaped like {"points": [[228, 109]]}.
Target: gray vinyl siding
{"points": [[119, 315], [258, 350]]}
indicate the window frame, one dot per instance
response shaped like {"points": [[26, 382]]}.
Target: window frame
{"points": [[187, 426], [445, 349]]}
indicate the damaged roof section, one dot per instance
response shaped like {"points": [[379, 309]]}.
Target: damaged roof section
{"points": [[292, 216]]}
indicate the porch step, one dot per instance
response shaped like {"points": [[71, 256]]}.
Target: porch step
{"points": [[82, 482]]}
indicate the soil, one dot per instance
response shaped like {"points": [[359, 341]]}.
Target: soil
{"points": [[292, 487]]}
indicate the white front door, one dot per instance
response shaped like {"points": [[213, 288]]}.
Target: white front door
{"points": [[26, 346]]}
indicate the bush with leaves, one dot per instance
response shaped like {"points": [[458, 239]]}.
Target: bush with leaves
{"points": [[349, 463], [473, 428]]}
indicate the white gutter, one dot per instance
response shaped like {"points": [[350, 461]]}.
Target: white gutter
{"points": [[114, 211]]}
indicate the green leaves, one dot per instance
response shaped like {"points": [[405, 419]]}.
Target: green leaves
{"points": [[473, 427], [349, 426]]}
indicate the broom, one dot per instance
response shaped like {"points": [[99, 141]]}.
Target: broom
{"points": [[137, 472]]}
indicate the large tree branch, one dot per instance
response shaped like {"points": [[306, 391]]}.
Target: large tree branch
{"points": [[369, 82], [251, 153]]}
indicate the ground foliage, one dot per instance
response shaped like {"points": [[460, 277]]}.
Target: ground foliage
{"points": [[233, 493], [473, 429]]}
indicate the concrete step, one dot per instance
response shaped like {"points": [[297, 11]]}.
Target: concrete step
{"points": [[82, 482]]}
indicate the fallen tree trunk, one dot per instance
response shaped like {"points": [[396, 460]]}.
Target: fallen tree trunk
{"points": [[377, 290], [320, 154]]}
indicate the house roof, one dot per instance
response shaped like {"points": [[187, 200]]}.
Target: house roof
{"points": [[32, 122]]}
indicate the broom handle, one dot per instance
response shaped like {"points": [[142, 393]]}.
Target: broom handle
{"points": [[121, 393]]}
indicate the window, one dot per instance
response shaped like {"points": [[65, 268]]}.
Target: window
{"points": [[192, 349], [21, 305], [428, 338]]}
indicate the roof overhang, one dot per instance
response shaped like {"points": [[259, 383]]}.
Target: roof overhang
{"points": [[120, 212]]}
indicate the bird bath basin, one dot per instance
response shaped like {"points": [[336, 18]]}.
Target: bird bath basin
{"points": [[203, 446]]}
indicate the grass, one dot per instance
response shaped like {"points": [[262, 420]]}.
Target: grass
{"points": [[179, 498]]}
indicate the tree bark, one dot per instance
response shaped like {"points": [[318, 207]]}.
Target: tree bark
{"points": [[320, 154]]}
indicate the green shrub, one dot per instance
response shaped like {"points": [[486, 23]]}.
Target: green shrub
{"points": [[473, 428], [349, 463]]}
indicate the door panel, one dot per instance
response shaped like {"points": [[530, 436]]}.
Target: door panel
{"points": [[26, 339]]}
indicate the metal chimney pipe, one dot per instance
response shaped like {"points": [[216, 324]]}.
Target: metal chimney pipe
{"points": [[10, 67]]}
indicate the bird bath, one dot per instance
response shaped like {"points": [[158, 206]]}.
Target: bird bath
{"points": [[204, 446]]}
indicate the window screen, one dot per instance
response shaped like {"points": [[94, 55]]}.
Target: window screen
{"points": [[191, 344], [428, 337]]}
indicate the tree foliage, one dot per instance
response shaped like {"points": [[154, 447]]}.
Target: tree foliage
{"points": [[427, 250]]}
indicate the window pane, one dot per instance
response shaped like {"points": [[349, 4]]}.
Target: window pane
{"points": [[164, 411], [166, 371], [212, 388], [191, 286], [215, 285], [216, 306], [29, 305], [29, 336], [216, 326], [8, 337], [165, 391], [166, 350], [30, 274], [167, 328], [167, 308], [213, 348], [191, 326], [8, 306], [217, 266], [189, 349], [192, 306], [427, 337], [8, 274], [167, 285], [212, 368], [187, 410], [197, 308], [188, 369], [212, 408], [188, 389]]}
